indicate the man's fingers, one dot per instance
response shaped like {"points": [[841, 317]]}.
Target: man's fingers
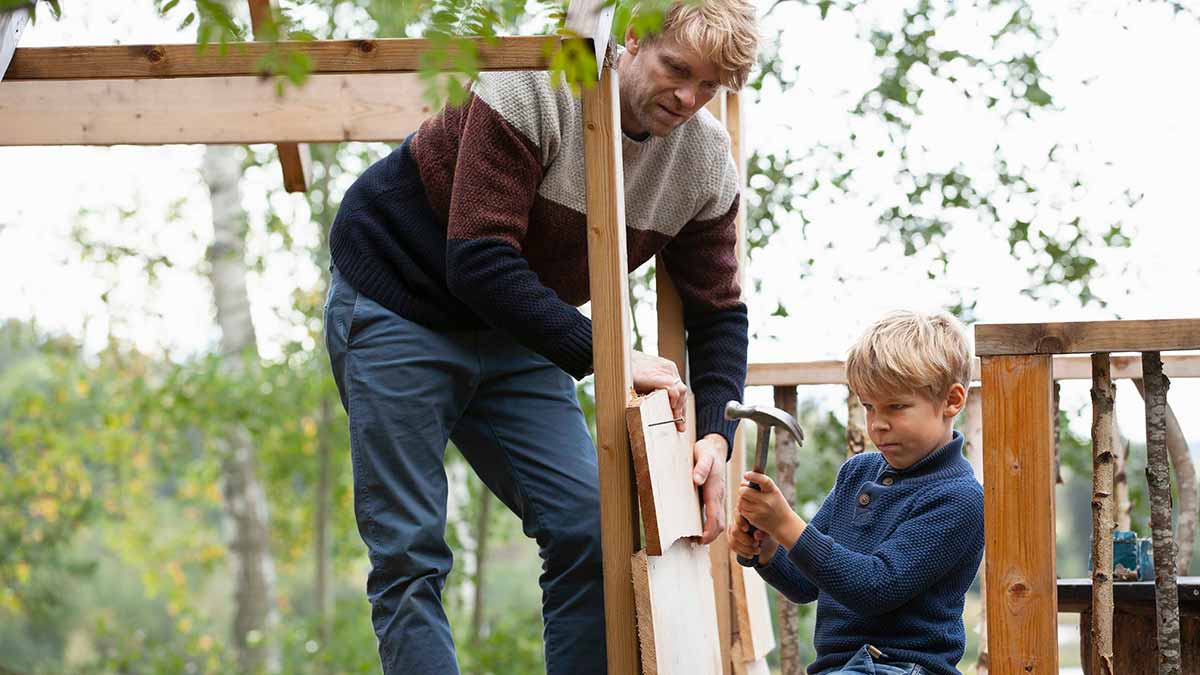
{"points": [[702, 469], [677, 395]]}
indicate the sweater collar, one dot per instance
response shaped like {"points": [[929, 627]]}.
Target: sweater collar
{"points": [[946, 460]]}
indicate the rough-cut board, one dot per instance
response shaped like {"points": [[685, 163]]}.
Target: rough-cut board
{"points": [[751, 612], [384, 55], [327, 109], [12, 24], [1065, 368], [1018, 504], [676, 611], [1086, 336], [662, 461]]}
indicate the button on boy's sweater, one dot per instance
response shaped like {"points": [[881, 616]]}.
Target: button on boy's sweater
{"points": [[888, 558], [480, 220]]}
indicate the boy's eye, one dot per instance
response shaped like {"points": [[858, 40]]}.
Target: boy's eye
{"points": [[898, 406]]}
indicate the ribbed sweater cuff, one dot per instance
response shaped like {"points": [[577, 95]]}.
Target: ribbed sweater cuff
{"points": [[810, 550], [575, 350], [711, 420]]}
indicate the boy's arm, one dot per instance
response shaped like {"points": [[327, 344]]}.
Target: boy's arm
{"points": [[926, 546], [782, 574]]}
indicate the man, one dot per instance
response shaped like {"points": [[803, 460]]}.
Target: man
{"points": [[459, 263]]}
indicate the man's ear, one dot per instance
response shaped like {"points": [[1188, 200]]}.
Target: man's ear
{"points": [[956, 398], [631, 41]]}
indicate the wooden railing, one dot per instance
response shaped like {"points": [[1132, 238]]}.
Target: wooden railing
{"points": [[1019, 407]]}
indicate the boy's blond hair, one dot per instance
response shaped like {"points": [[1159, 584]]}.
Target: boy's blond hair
{"points": [[910, 351], [723, 31]]}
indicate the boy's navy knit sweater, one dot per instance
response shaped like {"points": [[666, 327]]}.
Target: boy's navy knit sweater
{"points": [[888, 558], [479, 220]]}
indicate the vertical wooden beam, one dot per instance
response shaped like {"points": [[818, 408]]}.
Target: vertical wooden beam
{"points": [[1103, 394], [973, 440], [294, 158], [611, 351], [1158, 475], [1018, 468], [785, 472], [12, 24]]}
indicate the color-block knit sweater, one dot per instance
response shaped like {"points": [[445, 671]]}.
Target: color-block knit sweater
{"points": [[888, 558], [479, 220]]}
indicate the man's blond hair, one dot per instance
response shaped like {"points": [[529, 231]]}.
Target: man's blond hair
{"points": [[910, 352], [722, 31]]}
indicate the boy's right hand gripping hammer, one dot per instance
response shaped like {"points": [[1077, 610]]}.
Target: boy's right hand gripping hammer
{"points": [[765, 417]]}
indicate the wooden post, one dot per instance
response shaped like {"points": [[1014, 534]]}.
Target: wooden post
{"points": [[294, 158], [1158, 475], [973, 440], [1103, 394], [614, 380], [1019, 515], [785, 470]]}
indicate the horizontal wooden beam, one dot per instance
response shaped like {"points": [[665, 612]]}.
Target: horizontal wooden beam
{"points": [[384, 55], [1075, 595], [327, 109], [1065, 368], [1082, 337]]}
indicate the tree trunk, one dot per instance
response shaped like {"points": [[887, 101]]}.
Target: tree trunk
{"points": [[1124, 507], [1185, 474], [1103, 394], [1057, 422], [785, 469], [324, 489], [481, 538], [245, 502], [1158, 476]]}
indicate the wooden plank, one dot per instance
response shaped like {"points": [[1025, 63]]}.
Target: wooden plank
{"points": [[1019, 515], [662, 462], [1101, 629], [608, 271], [591, 20], [1086, 337], [752, 613], [1125, 367], [382, 55], [327, 109], [12, 25], [294, 158], [676, 611], [672, 340], [1075, 596], [1132, 633]]}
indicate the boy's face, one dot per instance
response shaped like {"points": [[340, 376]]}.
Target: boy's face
{"points": [[907, 426], [662, 84]]}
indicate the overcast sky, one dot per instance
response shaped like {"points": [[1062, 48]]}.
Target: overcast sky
{"points": [[1123, 77]]}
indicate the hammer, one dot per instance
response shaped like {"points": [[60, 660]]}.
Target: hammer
{"points": [[765, 418]]}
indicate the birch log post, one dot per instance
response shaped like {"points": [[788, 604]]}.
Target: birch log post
{"points": [[785, 469], [1124, 506], [1103, 394], [1057, 432], [973, 440], [856, 425], [1158, 476], [1189, 494]]}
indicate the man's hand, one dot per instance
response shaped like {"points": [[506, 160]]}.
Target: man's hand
{"points": [[708, 473], [654, 372], [750, 545], [768, 510]]}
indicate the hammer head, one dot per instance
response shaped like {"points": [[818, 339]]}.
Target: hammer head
{"points": [[765, 416]]}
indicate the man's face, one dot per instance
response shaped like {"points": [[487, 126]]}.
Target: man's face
{"points": [[663, 84]]}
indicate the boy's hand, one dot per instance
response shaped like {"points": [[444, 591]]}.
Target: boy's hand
{"points": [[708, 474], [767, 510], [749, 545]]}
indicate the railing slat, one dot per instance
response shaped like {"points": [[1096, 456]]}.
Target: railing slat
{"points": [[1158, 476], [1103, 395]]}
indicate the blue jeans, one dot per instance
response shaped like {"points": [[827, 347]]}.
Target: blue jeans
{"points": [[863, 664], [407, 390]]}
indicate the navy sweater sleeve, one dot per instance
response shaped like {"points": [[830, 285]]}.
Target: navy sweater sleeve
{"points": [[942, 529]]}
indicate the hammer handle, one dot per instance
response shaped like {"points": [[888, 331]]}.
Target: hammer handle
{"points": [[743, 560]]}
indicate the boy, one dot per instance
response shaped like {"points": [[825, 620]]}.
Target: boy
{"points": [[891, 552]]}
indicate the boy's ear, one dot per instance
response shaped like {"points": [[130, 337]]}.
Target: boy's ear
{"points": [[631, 41], [956, 398]]}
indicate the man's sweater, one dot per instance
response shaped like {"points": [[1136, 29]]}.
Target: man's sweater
{"points": [[888, 558], [479, 220]]}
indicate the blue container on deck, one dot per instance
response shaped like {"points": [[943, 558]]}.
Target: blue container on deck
{"points": [[1133, 557]]}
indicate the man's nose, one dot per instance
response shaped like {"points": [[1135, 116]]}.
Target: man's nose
{"points": [[687, 96]]}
